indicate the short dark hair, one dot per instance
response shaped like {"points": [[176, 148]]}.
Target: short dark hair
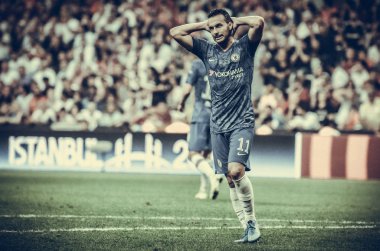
{"points": [[223, 12]]}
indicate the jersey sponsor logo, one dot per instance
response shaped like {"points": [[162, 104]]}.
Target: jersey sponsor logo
{"points": [[241, 154], [235, 57], [235, 73]]}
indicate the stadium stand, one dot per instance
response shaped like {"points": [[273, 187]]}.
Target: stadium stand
{"points": [[91, 64]]}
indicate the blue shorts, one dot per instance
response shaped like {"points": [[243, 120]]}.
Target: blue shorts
{"points": [[199, 137], [234, 146]]}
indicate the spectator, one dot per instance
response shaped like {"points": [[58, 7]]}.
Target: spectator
{"points": [[111, 117], [353, 31], [328, 128], [24, 78], [326, 41], [279, 69], [374, 51], [340, 77], [370, 113], [10, 113], [23, 98], [154, 119], [304, 119], [7, 75], [359, 75], [6, 95], [91, 116], [38, 98], [300, 58], [164, 84]]}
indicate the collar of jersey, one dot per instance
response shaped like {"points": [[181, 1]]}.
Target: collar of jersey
{"points": [[225, 51]]}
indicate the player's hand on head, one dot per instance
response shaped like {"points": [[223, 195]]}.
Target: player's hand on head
{"points": [[234, 24]]}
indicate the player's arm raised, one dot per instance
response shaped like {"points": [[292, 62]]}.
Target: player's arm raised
{"points": [[182, 33], [256, 27], [240, 31]]}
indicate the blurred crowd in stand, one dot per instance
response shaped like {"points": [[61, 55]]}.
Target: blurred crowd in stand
{"points": [[80, 65]]}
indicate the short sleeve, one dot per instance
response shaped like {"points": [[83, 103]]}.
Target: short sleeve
{"points": [[200, 47], [251, 47]]}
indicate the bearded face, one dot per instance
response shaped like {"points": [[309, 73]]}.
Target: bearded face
{"points": [[220, 29]]}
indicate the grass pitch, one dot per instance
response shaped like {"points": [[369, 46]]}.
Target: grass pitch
{"points": [[96, 211]]}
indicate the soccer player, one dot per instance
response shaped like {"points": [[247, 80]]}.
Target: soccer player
{"points": [[229, 65], [199, 136]]}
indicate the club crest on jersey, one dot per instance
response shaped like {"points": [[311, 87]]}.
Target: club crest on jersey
{"points": [[235, 57]]}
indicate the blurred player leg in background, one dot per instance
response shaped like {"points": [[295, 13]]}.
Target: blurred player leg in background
{"points": [[208, 177], [202, 192], [199, 137]]}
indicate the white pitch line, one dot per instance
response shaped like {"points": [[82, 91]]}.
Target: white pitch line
{"points": [[116, 229], [67, 216]]}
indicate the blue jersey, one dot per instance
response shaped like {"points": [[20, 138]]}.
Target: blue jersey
{"points": [[230, 76], [197, 77]]}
